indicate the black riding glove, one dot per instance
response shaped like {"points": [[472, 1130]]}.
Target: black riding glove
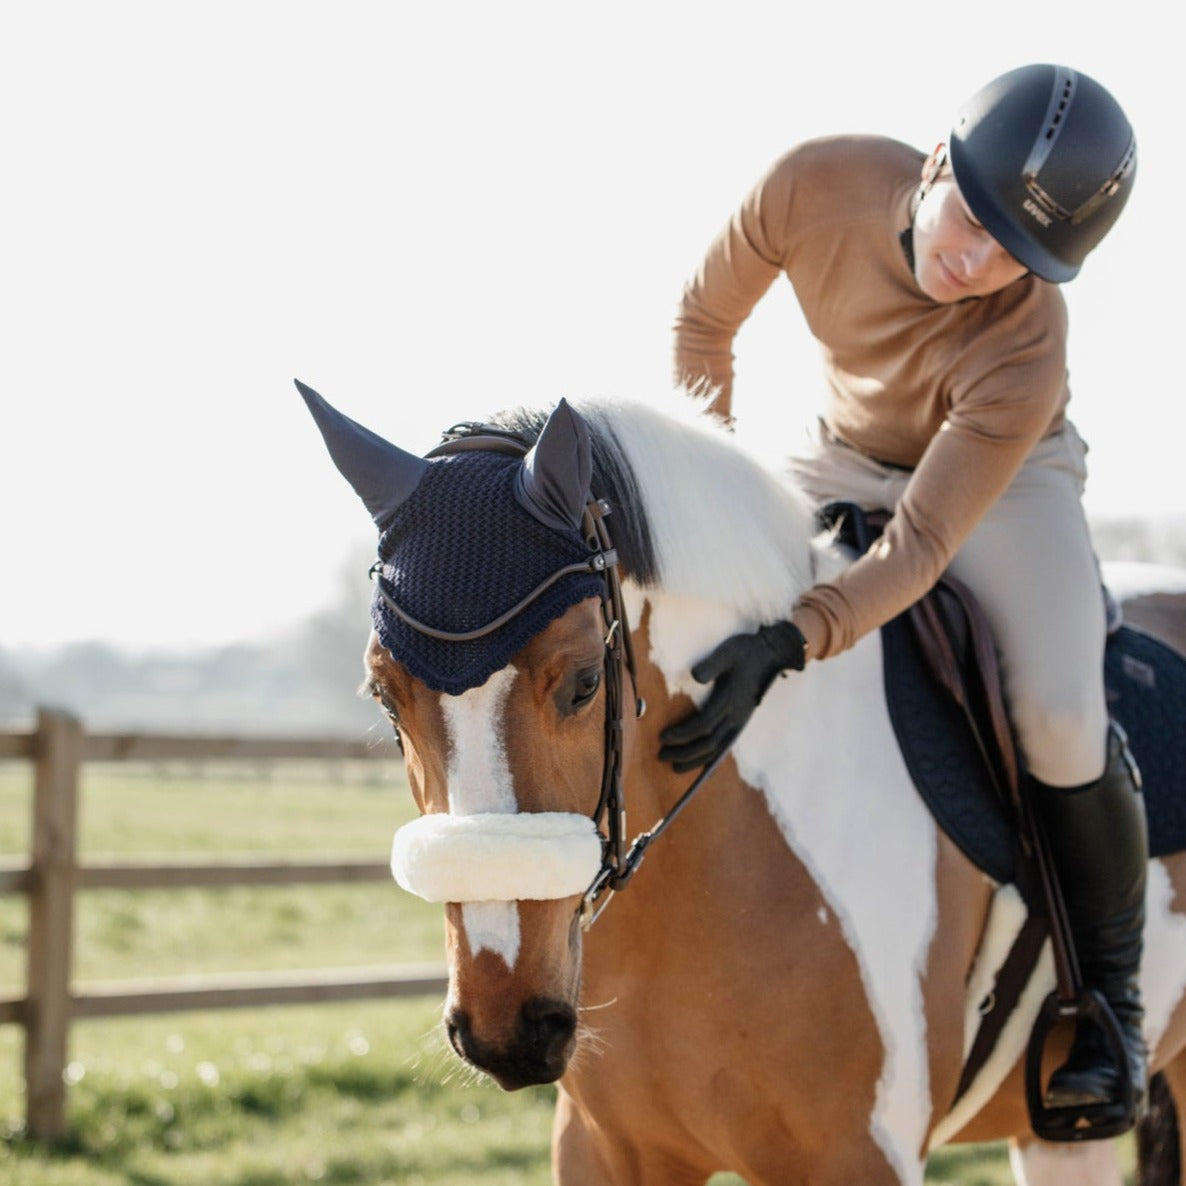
{"points": [[743, 667]]}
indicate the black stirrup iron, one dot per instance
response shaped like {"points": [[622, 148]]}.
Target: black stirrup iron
{"points": [[1079, 1122]]}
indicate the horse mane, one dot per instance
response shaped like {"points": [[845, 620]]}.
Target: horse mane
{"points": [[693, 511]]}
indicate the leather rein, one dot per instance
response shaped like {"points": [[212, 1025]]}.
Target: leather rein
{"points": [[619, 859]]}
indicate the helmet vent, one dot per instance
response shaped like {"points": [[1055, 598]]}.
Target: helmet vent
{"points": [[1064, 101], [1062, 95]]}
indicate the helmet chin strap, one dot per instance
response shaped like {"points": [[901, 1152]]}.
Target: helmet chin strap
{"points": [[930, 174], [931, 170], [906, 239]]}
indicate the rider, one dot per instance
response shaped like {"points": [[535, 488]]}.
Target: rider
{"points": [[932, 287]]}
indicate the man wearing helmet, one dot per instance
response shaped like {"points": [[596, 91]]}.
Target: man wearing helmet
{"points": [[931, 286]]}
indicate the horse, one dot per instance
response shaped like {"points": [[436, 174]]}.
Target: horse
{"points": [[781, 975]]}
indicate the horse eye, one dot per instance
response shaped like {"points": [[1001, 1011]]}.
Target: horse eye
{"points": [[390, 713], [585, 686], [399, 737]]}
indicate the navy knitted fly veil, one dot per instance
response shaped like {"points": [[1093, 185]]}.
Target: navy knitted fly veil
{"points": [[460, 552], [477, 540]]}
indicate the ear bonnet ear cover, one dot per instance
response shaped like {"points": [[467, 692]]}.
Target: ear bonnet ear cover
{"points": [[466, 537], [459, 552]]}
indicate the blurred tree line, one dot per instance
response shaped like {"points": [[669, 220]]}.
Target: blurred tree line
{"points": [[306, 682], [303, 682]]}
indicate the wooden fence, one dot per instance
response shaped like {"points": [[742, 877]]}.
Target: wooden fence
{"points": [[52, 876]]}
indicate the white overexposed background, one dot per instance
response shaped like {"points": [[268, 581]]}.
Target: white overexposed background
{"points": [[430, 211]]}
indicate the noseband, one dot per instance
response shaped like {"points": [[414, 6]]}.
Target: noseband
{"points": [[619, 860]]}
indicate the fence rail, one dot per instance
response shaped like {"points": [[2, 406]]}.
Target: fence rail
{"points": [[52, 876]]}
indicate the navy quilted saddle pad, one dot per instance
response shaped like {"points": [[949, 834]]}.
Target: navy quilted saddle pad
{"points": [[1146, 687]]}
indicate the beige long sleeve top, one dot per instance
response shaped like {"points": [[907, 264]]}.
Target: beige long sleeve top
{"points": [[959, 393]]}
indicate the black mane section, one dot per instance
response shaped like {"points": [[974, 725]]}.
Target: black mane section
{"points": [[613, 480]]}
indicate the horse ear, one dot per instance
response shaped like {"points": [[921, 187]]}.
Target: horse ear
{"points": [[553, 483], [382, 475]]}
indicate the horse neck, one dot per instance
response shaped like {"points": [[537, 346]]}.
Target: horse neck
{"points": [[670, 634], [828, 827], [812, 775]]}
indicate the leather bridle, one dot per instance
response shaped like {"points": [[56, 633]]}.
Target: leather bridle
{"points": [[619, 860]]}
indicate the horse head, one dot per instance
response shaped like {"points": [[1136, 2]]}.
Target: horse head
{"points": [[488, 655]]}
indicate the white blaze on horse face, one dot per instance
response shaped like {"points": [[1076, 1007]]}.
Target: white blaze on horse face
{"points": [[480, 780]]}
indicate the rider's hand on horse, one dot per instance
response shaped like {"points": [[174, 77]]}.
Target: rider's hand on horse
{"points": [[743, 667]]}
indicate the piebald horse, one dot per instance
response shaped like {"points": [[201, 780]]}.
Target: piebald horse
{"points": [[787, 987]]}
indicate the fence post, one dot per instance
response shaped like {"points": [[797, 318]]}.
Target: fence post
{"points": [[58, 759]]}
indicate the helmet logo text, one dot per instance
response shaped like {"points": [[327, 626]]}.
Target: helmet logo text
{"points": [[1032, 207]]}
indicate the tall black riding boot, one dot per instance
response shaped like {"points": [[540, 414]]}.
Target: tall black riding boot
{"points": [[1098, 839]]}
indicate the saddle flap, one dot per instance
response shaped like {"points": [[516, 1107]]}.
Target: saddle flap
{"points": [[956, 642]]}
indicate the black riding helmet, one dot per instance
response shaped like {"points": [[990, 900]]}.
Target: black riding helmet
{"points": [[1045, 159]]}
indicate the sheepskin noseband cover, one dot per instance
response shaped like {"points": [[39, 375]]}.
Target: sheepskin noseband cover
{"points": [[497, 857]]}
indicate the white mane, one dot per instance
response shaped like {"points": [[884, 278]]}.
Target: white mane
{"points": [[725, 525]]}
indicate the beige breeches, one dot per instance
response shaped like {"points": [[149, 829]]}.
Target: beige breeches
{"points": [[1031, 564]]}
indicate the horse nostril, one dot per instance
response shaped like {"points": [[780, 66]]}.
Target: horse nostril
{"points": [[549, 1022], [457, 1029]]}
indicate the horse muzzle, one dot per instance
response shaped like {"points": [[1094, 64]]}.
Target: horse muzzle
{"points": [[538, 1052]]}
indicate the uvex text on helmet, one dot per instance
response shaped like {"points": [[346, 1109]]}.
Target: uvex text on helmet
{"points": [[1045, 159]]}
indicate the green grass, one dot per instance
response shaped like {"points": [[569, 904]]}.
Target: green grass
{"points": [[333, 1094]]}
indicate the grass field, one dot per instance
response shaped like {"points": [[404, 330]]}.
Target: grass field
{"points": [[337, 1094]]}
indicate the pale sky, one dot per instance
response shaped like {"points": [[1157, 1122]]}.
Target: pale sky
{"points": [[430, 211]]}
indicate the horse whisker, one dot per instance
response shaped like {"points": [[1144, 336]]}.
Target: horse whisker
{"points": [[589, 1044], [592, 1008]]}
